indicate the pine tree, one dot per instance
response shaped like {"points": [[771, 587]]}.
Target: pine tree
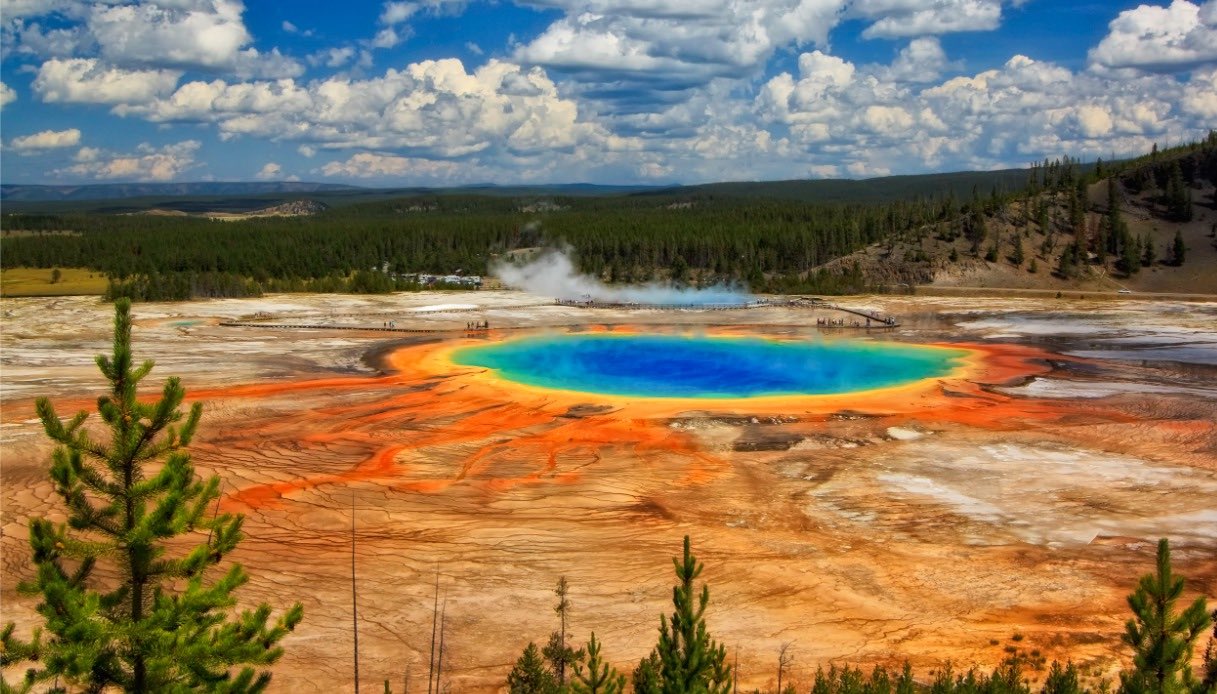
{"points": [[1178, 250], [1178, 197], [646, 677], [1130, 256], [1149, 253], [690, 661], [1162, 640], [530, 676], [556, 651], [1019, 255], [600, 677], [1209, 682], [165, 626], [1062, 680], [1117, 228]]}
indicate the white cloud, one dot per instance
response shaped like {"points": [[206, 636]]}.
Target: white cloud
{"points": [[270, 171], [1092, 121], [198, 33], [251, 63], [85, 80], [7, 95], [664, 46], [653, 169], [1150, 37], [180, 34], [875, 122], [900, 18], [372, 165], [147, 163], [1200, 95], [923, 60], [32, 39], [432, 108], [615, 49], [336, 57], [387, 37], [473, 48], [47, 139], [397, 12], [16, 9]]}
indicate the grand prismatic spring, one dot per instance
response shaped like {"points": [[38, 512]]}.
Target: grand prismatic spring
{"points": [[985, 468], [699, 367]]}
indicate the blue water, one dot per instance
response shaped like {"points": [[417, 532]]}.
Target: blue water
{"points": [[706, 367]]}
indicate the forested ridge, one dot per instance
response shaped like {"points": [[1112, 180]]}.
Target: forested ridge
{"points": [[696, 237], [625, 239]]}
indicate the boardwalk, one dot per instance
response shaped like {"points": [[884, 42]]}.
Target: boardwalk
{"points": [[874, 321]]}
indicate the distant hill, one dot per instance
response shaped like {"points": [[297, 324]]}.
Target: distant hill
{"points": [[241, 197], [960, 184], [112, 191]]}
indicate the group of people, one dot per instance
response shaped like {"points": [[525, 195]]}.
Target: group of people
{"points": [[855, 323], [478, 325], [390, 324]]}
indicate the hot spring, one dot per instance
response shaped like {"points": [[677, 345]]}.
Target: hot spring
{"points": [[670, 366]]}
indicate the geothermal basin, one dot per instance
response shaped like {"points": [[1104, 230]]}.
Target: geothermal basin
{"points": [[1015, 481], [675, 366]]}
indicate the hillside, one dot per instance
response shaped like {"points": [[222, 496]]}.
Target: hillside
{"points": [[241, 198], [980, 248], [883, 189]]}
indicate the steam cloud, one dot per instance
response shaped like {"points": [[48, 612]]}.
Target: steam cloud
{"points": [[553, 274]]}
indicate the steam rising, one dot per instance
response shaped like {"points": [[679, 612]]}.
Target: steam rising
{"points": [[553, 274]]}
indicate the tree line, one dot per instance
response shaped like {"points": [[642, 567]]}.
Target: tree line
{"points": [[698, 239]]}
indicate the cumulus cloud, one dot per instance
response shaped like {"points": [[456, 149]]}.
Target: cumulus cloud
{"points": [[664, 46], [397, 12], [373, 165], [1149, 37], [291, 28], [86, 80], [431, 108], [1022, 111], [270, 171], [31, 38], [615, 49], [179, 34], [901, 18], [47, 139], [207, 34], [17, 9], [147, 163], [7, 95], [1200, 95], [922, 60]]}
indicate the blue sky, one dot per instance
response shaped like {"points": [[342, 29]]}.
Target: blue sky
{"points": [[444, 92]]}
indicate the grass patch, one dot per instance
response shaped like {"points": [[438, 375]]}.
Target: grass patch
{"points": [[26, 281]]}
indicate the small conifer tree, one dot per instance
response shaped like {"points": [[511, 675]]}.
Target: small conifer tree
{"points": [[556, 651], [1178, 249], [1162, 640], [690, 662], [599, 677], [646, 677], [1062, 680], [164, 625], [530, 676], [1209, 681]]}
